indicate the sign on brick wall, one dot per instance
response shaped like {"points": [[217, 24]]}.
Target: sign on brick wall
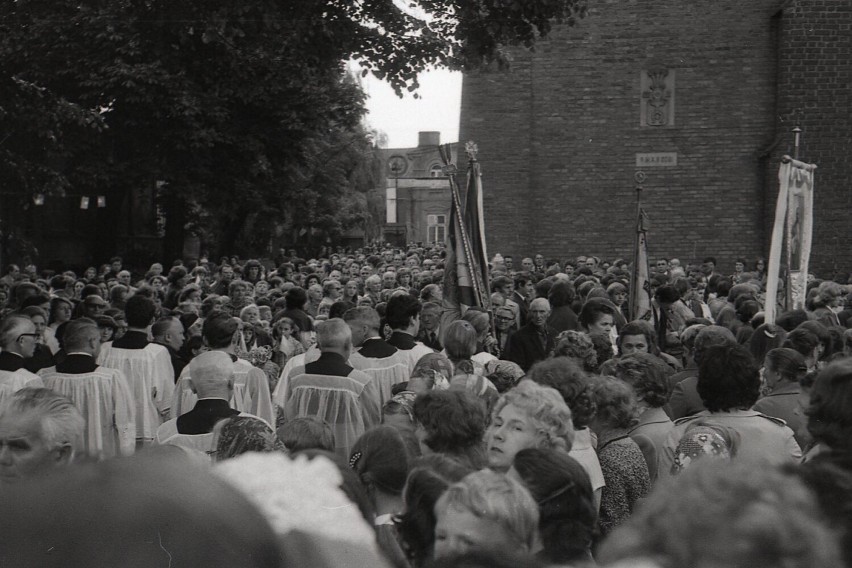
{"points": [[656, 159]]}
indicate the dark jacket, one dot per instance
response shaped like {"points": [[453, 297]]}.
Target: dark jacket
{"points": [[525, 347]]}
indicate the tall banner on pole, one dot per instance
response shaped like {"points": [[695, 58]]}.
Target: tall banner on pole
{"points": [[792, 231], [466, 264], [640, 281]]}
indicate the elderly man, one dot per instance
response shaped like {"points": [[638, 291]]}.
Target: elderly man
{"points": [[373, 288], [330, 389], [146, 365], [103, 396], [18, 339], [169, 333], [251, 387], [314, 300], [385, 364], [534, 341], [124, 278], [212, 381], [94, 306], [39, 430]]}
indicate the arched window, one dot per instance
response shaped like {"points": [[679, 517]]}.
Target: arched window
{"points": [[436, 171]]}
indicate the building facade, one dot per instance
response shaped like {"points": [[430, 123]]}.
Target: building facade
{"points": [[417, 192], [699, 96]]}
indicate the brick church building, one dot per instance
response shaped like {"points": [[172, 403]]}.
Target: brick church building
{"points": [[701, 96]]}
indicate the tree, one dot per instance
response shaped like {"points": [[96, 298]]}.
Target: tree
{"points": [[229, 109]]}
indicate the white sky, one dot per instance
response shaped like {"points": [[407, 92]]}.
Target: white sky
{"points": [[401, 119]]}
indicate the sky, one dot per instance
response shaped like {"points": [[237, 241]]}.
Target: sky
{"points": [[402, 118]]}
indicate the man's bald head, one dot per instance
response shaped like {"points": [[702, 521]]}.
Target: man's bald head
{"points": [[212, 375]]}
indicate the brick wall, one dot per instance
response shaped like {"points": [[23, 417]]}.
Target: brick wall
{"points": [[815, 93], [558, 133]]}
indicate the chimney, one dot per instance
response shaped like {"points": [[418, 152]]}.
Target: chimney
{"points": [[428, 139]]}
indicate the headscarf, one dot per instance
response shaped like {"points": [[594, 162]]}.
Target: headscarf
{"points": [[704, 441]]}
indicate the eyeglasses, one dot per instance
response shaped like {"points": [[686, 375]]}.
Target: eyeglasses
{"points": [[505, 318], [33, 335]]}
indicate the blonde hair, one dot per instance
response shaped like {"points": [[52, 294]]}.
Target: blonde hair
{"points": [[545, 408], [498, 498]]}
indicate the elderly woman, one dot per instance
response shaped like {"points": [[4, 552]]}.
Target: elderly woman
{"points": [[240, 434], [578, 347], [575, 387], [528, 416], [485, 511], [451, 423], [624, 467], [783, 370], [648, 376]]}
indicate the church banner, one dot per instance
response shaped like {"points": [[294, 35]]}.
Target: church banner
{"points": [[792, 232]]}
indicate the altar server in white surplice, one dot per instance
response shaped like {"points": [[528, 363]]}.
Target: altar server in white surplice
{"points": [[213, 383], [384, 363], [251, 387], [18, 338], [295, 366], [332, 390], [102, 395], [147, 367]]}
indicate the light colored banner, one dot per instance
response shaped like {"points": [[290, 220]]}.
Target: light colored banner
{"points": [[792, 231]]}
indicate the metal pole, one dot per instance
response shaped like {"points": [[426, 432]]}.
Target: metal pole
{"points": [[788, 293]]}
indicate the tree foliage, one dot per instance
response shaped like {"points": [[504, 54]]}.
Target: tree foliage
{"points": [[243, 108]]}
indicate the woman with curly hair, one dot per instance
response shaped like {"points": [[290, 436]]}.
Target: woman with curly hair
{"points": [[577, 346], [575, 386], [624, 467], [648, 376], [451, 423], [528, 416]]}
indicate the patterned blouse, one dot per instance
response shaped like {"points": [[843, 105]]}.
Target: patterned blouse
{"points": [[626, 475]]}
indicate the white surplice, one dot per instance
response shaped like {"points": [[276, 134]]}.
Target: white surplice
{"points": [[150, 374], [13, 381], [251, 392], [105, 400]]}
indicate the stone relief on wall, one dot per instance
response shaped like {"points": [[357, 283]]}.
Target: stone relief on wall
{"points": [[658, 97]]}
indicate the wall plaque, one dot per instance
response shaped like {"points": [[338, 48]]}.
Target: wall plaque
{"points": [[656, 159], [657, 102]]}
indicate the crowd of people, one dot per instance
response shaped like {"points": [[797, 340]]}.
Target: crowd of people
{"points": [[340, 411]]}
